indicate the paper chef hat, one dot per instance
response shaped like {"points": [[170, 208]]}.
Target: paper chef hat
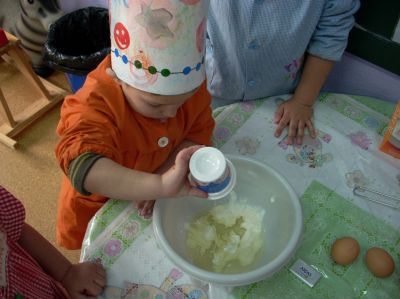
{"points": [[158, 45]]}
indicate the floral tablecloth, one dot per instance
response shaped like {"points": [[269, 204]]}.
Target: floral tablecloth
{"points": [[323, 172]]}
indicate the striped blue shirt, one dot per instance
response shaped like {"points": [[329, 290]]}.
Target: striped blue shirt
{"points": [[255, 48]]}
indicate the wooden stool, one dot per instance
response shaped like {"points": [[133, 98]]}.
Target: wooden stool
{"points": [[50, 95]]}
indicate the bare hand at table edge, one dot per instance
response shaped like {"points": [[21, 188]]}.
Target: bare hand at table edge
{"points": [[297, 112], [145, 207], [81, 281], [297, 116], [85, 280]]}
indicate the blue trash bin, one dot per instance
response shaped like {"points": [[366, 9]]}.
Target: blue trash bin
{"points": [[75, 81], [77, 42]]}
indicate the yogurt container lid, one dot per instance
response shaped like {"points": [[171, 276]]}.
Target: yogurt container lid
{"points": [[207, 164]]}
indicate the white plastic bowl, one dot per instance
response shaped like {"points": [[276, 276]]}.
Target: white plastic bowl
{"points": [[263, 187]]}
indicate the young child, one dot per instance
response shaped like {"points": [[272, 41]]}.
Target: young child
{"points": [[32, 268], [127, 133], [257, 49]]}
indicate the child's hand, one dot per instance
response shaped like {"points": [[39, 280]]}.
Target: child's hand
{"points": [[297, 117], [145, 207], [84, 280], [174, 182]]}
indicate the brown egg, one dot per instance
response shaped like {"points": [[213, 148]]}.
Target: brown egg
{"points": [[345, 250], [379, 262]]}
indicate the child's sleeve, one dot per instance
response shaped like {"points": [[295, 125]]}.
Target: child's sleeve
{"points": [[329, 39], [88, 124], [12, 215], [202, 129]]}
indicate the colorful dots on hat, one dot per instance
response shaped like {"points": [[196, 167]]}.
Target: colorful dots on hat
{"points": [[153, 70], [165, 72], [137, 64]]}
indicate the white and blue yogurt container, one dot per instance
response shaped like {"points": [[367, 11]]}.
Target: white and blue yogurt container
{"points": [[211, 172]]}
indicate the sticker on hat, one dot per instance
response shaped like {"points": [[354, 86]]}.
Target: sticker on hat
{"points": [[158, 45]]}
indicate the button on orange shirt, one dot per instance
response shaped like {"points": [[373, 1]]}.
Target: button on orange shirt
{"points": [[98, 119]]}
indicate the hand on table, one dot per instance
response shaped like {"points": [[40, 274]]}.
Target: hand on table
{"points": [[84, 280], [297, 117], [145, 207]]}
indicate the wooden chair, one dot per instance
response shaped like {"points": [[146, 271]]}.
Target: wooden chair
{"points": [[49, 94]]}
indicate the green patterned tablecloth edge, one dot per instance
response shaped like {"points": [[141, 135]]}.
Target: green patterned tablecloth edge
{"points": [[384, 107], [248, 292]]}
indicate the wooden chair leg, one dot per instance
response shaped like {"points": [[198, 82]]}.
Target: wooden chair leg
{"points": [[7, 110], [11, 143], [49, 94], [23, 64]]}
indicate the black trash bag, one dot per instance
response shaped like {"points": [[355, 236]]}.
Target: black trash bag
{"points": [[78, 41]]}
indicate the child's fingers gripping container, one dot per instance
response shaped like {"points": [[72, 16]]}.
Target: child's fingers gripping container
{"points": [[212, 173]]}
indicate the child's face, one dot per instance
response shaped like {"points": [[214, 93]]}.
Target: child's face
{"points": [[152, 105]]}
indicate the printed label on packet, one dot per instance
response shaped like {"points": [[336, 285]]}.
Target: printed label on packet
{"points": [[305, 272]]}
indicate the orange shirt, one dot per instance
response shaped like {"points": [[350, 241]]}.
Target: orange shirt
{"points": [[98, 119]]}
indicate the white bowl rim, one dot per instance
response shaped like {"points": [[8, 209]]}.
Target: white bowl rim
{"points": [[239, 278]]}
